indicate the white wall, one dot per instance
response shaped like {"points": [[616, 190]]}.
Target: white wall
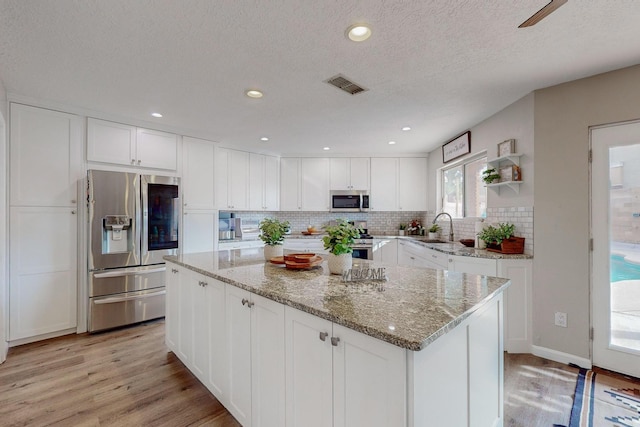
{"points": [[561, 266], [3, 222], [513, 122]]}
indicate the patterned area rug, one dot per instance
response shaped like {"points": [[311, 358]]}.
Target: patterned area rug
{"points": [[603, 400]]}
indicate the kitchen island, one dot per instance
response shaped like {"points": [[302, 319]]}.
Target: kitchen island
{"points": [[288, 347]]}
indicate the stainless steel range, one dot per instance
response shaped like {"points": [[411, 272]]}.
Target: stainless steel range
{"points": [[363, 247]]}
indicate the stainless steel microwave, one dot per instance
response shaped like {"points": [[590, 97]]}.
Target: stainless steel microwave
{"points": [[349, 201]]}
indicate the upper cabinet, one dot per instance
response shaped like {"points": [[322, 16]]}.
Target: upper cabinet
{"points": [[231, 179], [46, 157], [398, 184], [304, 184], [116, 143], [197, 174], [264, 182], [349, 173]]}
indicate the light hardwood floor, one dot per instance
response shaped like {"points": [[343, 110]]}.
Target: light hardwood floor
{"points": [[127, 378]]}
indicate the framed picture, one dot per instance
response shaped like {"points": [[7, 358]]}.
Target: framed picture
{"points": [[458, 146], [510, 173], [507, 147]]}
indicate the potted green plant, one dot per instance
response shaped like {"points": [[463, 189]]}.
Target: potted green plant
{"points": [[500, 238], [490, 175], [272, 233], [402, 230], [433, 231], [339, 241]]}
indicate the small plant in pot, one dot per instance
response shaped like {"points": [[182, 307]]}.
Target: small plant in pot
{"points": [[490, 175], [402, 229], [433, 231], [500, 238], [339, 241], [272, 233]]}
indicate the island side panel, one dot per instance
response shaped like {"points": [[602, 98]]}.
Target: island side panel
{"points": [[452, 380]]}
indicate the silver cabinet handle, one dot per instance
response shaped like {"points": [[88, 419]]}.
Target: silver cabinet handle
{"points": [[334, 341], [133, 161], [174, 271], [139, 161], [201, 283], [323, 336], [250, 304], [73, 212], [73, 201], [245, 301]]}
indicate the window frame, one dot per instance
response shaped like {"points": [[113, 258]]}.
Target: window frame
{"points": [[460, 163]]}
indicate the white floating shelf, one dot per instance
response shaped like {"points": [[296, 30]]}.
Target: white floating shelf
{"points": [[513, 158], [514, 185]]}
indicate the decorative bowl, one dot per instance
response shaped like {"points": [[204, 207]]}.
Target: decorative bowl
{"points": [[468, 242]]}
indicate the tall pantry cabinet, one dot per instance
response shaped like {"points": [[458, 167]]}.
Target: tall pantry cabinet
{"points": [[45, 167]]}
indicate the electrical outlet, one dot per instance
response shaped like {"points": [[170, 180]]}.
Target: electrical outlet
{"points": [[561, 319]]}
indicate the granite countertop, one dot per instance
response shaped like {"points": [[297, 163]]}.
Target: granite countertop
{"points": [[457, 248], [410, 310]]}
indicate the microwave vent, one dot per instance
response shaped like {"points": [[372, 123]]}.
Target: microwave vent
{"points": [[343, 83]]}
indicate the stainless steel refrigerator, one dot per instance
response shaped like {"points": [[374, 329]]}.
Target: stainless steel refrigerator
{"points": [[133, 223]]}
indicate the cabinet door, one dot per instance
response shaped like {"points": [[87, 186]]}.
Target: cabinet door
{"points": [[369, 378], [517, 304], [216, 308], [308, 370], [238, 179], [315, 184], [472, 265], [238, 342], [256, 182], [267, 363], [172, 323], [201, 325], [155, 149], [185, 317], [339, 173], [389, 252], [221, 178], [199, 230], [412, 184], [197, 176], [110, 142], [290, 184], [384, 184], [46, 157], [271, 183], [43, 271], [359, 173]]}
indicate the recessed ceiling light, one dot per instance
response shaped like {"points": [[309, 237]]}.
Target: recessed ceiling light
{"points": [[358, 32], [406, 128], [253, 93], [264, 138], [392, 143], [326, 148], [158, 115]]}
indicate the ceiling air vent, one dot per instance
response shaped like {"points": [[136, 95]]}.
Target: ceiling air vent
{"points": [[342, 83]]}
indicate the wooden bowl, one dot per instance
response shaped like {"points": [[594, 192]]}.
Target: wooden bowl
{"points": [[468, 242]]}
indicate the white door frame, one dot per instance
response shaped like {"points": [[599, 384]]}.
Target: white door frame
{"points": [[601, 139], [4, 296]]}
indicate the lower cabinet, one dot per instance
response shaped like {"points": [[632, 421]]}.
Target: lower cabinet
{"points": [[339, 377], [385, 251]]}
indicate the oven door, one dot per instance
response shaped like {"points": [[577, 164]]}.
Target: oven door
{"points": [[363, 252]]}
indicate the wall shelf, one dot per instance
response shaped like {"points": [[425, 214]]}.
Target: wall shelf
{"points": [[513, 158], [514, 185]]}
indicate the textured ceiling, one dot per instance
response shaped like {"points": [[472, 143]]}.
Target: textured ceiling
{"points": [[437, 66]]}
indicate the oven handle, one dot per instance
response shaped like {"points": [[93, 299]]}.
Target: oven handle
{"points": [[114, 300], [128, 273]]}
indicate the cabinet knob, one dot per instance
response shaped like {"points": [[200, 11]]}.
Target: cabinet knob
{"points": [[334, 341], [73, 212], [139, 161], [73, 201], [323, 336], [133, 161], [174, 271]]}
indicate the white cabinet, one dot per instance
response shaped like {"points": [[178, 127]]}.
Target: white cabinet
{"points": [[255, 356], [46, 157], [121, 144], [415, 255], [290, 184], [199, 229], [472, 265], [384, 184], [412, 184], [399, 184], [304, 184], [197, 176], [305, 245], [517, 302], [264, 182], [339, 377], [43, 271], [349, 173], [231, 179], [385, 251], [174, 275]]}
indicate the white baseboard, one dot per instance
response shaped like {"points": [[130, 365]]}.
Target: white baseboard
{"points": [[29, 340], [558, 356]]}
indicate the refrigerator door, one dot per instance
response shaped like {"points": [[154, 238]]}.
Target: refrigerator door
{"points": [[114, 219], [161, 213]]}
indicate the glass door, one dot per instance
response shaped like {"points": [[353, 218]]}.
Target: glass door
{"points": [[615, 215], [161, 211]]}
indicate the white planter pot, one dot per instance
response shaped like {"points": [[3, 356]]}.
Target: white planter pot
{"points": [[339, 263], [433, 236], [400, 232], [273, 251]]}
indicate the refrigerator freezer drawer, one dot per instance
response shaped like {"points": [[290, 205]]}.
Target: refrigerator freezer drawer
{"points": [[126, 308], [121, 280]]}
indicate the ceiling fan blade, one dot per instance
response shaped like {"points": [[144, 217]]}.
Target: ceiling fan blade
{"points": [[542, 13]]}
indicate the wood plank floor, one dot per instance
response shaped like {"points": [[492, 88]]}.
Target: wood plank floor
{"points": [[127, 378]]}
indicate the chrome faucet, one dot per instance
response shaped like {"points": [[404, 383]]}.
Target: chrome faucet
{"points": [[450, 223]]}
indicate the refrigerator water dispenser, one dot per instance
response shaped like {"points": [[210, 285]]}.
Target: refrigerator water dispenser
{"points": [[116, 234]]}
